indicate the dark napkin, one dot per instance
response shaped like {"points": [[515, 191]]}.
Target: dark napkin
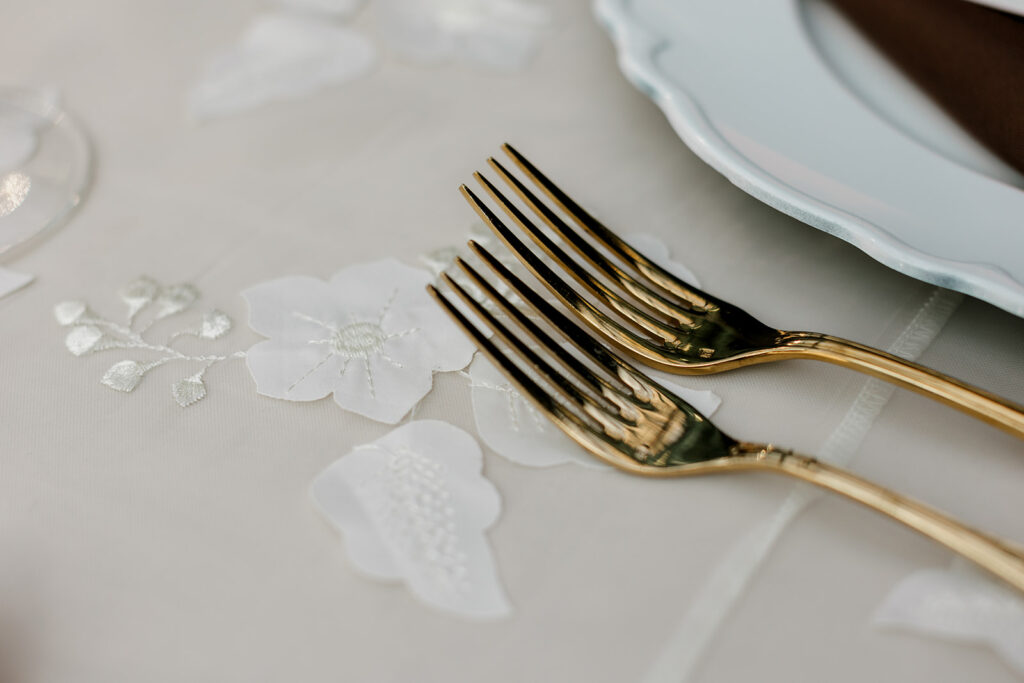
{"points": [[968, 58]]}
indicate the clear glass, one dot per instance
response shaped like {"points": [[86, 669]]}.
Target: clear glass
{"points": [[45, 167]]}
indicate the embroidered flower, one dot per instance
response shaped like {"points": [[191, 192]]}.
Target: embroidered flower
{"points": [[413, 506], [371, 336]]}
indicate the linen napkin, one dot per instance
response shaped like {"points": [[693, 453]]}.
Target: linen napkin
{"points": [[968, 58]]}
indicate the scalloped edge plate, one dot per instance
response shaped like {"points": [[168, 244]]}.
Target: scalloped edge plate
{"points": [[746, 88]]}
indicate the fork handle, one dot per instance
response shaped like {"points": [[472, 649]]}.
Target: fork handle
{"points": [[996, 555], [973, 401]]}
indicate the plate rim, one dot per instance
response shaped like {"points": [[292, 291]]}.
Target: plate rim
{"points": [[637, 48]]}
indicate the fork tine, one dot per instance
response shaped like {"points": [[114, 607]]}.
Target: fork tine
{"points": [[644, 266], [581, 245], [570, 361], [603, 292], [524, 382], [578, 398], [594, 440], [570, 330], [590, 313]]}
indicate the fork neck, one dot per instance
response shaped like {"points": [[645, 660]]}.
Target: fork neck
{"points": [[998, 556], [971, 400]]}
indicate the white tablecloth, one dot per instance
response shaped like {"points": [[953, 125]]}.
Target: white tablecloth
{"points": [[142, 541]]}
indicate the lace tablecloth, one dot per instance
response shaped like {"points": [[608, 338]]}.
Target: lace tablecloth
{"points": [[145, 541]]}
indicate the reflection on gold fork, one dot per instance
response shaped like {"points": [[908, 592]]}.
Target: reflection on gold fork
{"points": [[625, 418], [670, 325]]}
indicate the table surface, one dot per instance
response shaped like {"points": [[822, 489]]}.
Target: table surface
{"points": [[141, 541]]}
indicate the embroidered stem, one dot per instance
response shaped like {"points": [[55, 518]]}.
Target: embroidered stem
{"points": [[91, 333]]}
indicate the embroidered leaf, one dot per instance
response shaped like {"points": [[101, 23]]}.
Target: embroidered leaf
{"points": [[175, 299], [83, 339], [69, 312], [189, 390], [215, 324], [90, 333], [124, 376], [139, 294]]}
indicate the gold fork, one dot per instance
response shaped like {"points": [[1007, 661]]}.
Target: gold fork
{"points": [[673, 326], [625, 418]]}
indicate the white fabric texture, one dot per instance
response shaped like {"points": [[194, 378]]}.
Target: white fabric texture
{"points": [[146, 542], [331, 8], [656, 250], [413, 506], [499, 34], [280, 56], [11, 281], [371, 336], [725, 586]]}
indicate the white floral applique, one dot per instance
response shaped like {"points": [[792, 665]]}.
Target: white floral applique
{"points": [[413, 506], [338, 9], [146, 298], [959, 603], [282, 55], [371, 336], [496, 34], [305, 46]]}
